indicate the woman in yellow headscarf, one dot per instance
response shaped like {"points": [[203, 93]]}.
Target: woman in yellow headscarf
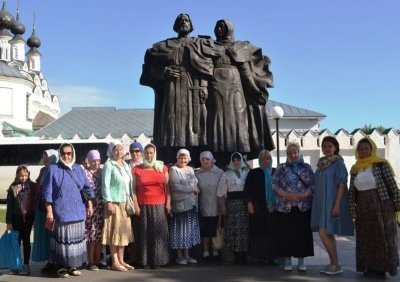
{"points": [[373, 197]]}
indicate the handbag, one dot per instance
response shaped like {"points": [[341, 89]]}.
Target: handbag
{"points": [[129, 206], [218, 241], [84, 194], [10, 251]]}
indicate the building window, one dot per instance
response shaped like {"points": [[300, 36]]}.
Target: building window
{"points": [[301, 142], [318, 142]]}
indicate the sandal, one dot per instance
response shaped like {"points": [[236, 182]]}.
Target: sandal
{"points": [[120, 268], [74, 272], [129, 267], [63, 273], [47, 268]]}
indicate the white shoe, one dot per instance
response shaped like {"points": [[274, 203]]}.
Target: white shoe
{"points": [[190, 260], [334, 270], [181, 261], [288, 265]]}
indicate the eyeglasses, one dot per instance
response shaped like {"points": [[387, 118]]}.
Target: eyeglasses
{"points": [[134, 151], [66, 153]]}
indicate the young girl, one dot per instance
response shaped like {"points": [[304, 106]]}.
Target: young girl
{"points": [[20, 214]]}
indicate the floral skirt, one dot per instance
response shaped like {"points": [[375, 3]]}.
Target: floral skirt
{"points": [[236, 227], [376, 236]]}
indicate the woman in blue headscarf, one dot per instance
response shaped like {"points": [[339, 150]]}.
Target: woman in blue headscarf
{"points": [[41, 236], [233, 206], [293, 182], [260, 200]]}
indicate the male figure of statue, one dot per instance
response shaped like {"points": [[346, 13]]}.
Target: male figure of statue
{"points": [[178, 70]]}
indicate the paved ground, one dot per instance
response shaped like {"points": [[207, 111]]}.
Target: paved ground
{"points": [[222, 272]]}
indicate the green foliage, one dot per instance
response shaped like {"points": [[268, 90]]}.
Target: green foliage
{"points": [[367, 128]]}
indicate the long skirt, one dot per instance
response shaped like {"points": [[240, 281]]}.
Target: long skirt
{"points": [[184, 230], [376, 234], [262, 244], [295, 237], [151, 236], [68, 244], [117, 229], [41, 238], [236, 226]]}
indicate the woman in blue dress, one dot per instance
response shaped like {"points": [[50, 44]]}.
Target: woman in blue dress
{"points": [[330, 213], [41, 236]]}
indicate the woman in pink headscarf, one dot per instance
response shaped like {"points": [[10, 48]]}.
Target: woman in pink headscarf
{"points": [[94, 224], [208, 176]]}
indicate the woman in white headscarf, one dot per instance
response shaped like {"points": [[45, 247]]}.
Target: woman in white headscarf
{"points": [[184, 227], [233, 206], [208, 175], [116, 184], [150, 184]]}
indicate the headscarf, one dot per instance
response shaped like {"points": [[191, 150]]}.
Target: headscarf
{"points": [[300, 160], [242, 164], [73, 155], [183, 152], [269, 194], [22, 191], [111, 147], [53, 159], [93, 155], [157, 165], [363, 164], [208, 155]]}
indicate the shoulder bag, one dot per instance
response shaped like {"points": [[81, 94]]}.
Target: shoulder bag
{"points": [[218, 242], [84, 194]]}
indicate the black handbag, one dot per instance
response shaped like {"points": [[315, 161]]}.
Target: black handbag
{"points": [[84, 194]]}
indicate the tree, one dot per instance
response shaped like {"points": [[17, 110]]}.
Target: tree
{"points": [[367, 128]]}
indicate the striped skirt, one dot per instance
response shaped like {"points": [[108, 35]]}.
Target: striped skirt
{"points": [[151, 234], [185, 230], [117, 229], [236, 226], [68, 244], [376, 236]]}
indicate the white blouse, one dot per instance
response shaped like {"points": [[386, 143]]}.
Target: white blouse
{"points": [[229, 182], [365, 180]]}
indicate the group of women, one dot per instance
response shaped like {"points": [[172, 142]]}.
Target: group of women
{"points": [[266, 213]]}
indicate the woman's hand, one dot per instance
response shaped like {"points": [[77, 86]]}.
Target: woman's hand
{"points": [[196, 190], [9, 226], [110, 208], [137, 210], [223, 210], [167, 207], [89, 209], [49, 215], [250, 207], [290, 197], [335, 211]]}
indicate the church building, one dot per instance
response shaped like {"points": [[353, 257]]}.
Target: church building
{"points": [[26, 101]]}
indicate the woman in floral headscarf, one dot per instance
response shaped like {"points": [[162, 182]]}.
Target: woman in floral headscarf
{"points": [[41, 236], [209, 175], [373, 195], [260, 200], [20, 212], [330, 213], [233, 206], [293, 182]]}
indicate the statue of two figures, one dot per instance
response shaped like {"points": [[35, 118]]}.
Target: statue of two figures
{"points": [[209, 94]]}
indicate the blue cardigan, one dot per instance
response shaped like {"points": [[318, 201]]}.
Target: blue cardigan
{"points": [[60, 190]]}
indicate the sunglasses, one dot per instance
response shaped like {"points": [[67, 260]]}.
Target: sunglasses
{"points": [[66, 153], [135, 151]]}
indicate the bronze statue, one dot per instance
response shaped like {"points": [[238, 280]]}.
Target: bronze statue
{"points": [[178, 70], [208, 94]]}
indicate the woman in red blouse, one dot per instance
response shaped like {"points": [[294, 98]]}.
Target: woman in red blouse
{"points": [[150, 182]]}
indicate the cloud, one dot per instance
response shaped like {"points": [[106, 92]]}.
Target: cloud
{"points": [[82, 96]]}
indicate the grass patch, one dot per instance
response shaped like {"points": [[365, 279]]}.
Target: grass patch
{"points": [[2, 215]]}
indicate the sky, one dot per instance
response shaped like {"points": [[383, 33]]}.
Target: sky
{"points": [[339, 58]]}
